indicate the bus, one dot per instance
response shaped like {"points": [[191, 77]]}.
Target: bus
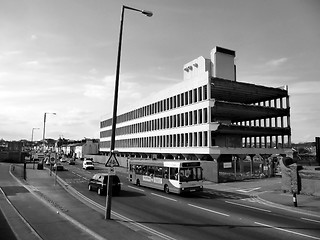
{"points": [[176, 176]]}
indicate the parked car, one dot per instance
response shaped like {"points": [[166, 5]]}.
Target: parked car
{"points": [[87, 164], [47, 162], [72, 162], [99, 183], [58, 167]]}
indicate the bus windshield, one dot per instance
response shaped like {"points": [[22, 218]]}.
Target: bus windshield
{"points": [[190, 174]]}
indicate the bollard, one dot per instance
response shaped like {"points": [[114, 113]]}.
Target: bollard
{"points": [[295, 202]]}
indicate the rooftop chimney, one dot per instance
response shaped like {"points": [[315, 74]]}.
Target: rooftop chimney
{"points": [[223, 63]]}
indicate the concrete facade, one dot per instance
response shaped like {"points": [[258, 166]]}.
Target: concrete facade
{"points": [[207, 115]]}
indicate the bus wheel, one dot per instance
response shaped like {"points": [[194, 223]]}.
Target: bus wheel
{"points": [[166, 188], [138, 183]]}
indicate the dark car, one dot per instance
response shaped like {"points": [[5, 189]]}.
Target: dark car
{"points": [[99, 183], [72, 162], [58, 167]]}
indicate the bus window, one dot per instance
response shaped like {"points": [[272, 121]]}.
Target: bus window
{"points": [[165, 173], [174, 173], [158, 172], [190, 174], [150, 171], [144, 170]]}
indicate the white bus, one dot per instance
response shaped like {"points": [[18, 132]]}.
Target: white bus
{"points": [[170, 176]]}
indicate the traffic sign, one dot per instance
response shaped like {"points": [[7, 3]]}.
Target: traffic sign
{"points": [[112, 161]]}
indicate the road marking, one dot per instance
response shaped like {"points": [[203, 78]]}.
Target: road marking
{"points": [[248, 190], [155, 232], [164, 197], [141, 190], [125, 219], [311, 220], [288, 231], [242, 205], [209, 210]]}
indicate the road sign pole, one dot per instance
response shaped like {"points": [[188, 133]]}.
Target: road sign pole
{"points": [[108, 198]]}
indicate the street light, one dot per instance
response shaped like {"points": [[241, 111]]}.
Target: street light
{"points": [[32, 144], [44, 128], [32, 134], [115, 105]]}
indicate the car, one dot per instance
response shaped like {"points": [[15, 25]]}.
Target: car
{"points": [[58, 167], [47, 162], [72, 162], [99, 183], [87, 164], [63, 159]]}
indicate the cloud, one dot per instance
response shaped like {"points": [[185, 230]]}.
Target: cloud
{"points": [[277, 62], [31, 63], [34, 37]]}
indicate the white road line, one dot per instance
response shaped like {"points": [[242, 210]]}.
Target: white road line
{"points": [[155, 232], [209, 210], [128, 220], [242, 205], [171, 199], [138, 189], [248, 190], [311, 220], [288, 231]]}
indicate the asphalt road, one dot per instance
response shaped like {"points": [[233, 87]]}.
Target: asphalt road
{"points": [[206, 215]]}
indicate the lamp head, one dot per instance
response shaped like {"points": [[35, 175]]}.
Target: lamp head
{"points": [[147, 13]]}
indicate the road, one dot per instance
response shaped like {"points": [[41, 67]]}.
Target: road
{"points": [[205, 215]]}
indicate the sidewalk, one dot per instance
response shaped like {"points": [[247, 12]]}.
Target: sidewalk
{"points": [[53, 213]]}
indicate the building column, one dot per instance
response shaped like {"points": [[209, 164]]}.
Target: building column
{"points": [[288, 106]]}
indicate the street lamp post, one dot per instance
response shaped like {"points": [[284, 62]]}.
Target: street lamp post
{"points": [[32, 143], [115, 104], [44, 130], [32, 133]]}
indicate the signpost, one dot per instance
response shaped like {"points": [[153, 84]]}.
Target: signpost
{"points": [[112, 162]]}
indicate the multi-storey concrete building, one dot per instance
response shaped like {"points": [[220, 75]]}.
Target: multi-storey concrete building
{"points": [[208, 116]]}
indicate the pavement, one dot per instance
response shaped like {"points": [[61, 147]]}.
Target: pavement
{"points": [[41, 208]]}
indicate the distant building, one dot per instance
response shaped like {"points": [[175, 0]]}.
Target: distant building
{"points": [[80, 149], [207, 116]]}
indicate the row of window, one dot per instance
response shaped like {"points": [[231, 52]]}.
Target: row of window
{"points": [[198, 116], [197, 139], [282, 122], [192, 139], [184, 175], [180, 100]]}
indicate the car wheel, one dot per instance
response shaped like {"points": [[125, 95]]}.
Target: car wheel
{"points": [[90, 188], [138, 183], [99, 191], [166, 189]]}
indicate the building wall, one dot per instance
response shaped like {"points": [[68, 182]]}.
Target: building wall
{"points": [[205, 115]]}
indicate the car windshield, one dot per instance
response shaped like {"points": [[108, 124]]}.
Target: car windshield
{"points": [[88, 163], [115, 179]]}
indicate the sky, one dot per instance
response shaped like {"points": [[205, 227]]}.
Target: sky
{"points": [[60, 57]]}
